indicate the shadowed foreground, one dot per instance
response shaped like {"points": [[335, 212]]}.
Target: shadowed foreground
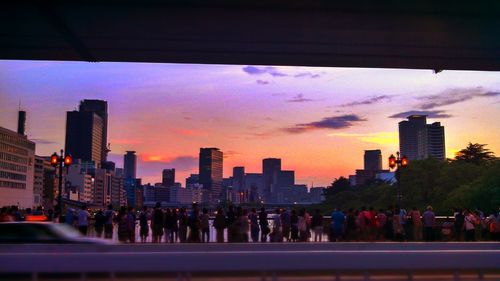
{"points": [[300, 261]]}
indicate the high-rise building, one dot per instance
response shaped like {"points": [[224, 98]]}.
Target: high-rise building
{"points": [[84, 136], [17, 165], [238, 178], [86, 132], [418, 140], [100, 108], [192, 180], [286, 178], [210, 171], [435, 141], [130, 165], [38, 181], [270, 170], [413, 137], [373, 160], [168, 177]]}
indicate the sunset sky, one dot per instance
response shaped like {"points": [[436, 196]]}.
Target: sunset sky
{"points": [[317, 120]]}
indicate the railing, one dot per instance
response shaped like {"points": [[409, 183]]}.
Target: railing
{"points": [[358, 261]]}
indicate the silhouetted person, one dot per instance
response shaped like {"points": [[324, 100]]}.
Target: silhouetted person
{"points": [[83, 220], [254, 225], [108, 226], [294, 226], [157, 222], [100, 220], [183, 225], [317, 225], [429, 220], [143, 224], [219, 225], [205, 226], [264, 225]]}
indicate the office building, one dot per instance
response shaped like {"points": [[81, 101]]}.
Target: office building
{"points": [[210, 172], [17, 165], [270, 170], [419, 140], [238, 178], [168, 177], [38, 181], [435, 141], [100, 108], [373, 160], [286, 178], [84, 136], [193, 179], [130, 165]]}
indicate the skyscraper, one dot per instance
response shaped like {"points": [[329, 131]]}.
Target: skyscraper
{"points": [[373, 160], [413, 137], [270, 171], [168, 177], [84, 131], [418, 140], [435, 141], [238, 178], [100, 108], [130, 165], [211, 172]]}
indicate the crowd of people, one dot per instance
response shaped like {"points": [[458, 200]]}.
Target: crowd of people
{"points": [[170, 225]]}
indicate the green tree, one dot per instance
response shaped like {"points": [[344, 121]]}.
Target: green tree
{"points": [[475, 153]]}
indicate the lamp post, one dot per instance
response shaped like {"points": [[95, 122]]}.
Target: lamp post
{"points": [[63, 160], [396, 161]]}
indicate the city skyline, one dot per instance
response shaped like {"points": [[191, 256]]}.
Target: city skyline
{"points": [[319, 120]]}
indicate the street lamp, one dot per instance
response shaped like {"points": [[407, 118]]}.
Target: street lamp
{"points": [[63, 160], [396, 161]]}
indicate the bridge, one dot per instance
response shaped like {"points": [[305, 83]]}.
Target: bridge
{"points": [[429, 34]]}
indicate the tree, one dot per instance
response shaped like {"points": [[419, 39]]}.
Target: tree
{"points": [[475, 153], [338, 185]]}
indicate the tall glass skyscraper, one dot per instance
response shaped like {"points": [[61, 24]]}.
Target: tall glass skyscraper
{"points": [[130, 165], [419, 140], [210, 168]]}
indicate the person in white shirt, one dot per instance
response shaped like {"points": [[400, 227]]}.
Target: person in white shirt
{"points": [[83, 220]]}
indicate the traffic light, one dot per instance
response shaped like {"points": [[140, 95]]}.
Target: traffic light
{"points": [[392, 161], [404, 161], [54, 160], [68, 160]]}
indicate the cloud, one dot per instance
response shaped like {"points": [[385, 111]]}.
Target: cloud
{"points": [[262, 82], [230, 153], [299, 98], [42, 141], [334, 122], [382, 138], [453, 96], [271, 70], [307, 74], [429, 113], [370, 100]]}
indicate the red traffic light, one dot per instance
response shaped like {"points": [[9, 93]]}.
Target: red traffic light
{"points": [[54, 159], [392, 161], [68, 160], [404, 161]]}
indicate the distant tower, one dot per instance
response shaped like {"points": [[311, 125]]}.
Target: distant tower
{"points": [[436, 141], [373, 160], [130, 165], [271, 168], [168, 177], [21, 122]]}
